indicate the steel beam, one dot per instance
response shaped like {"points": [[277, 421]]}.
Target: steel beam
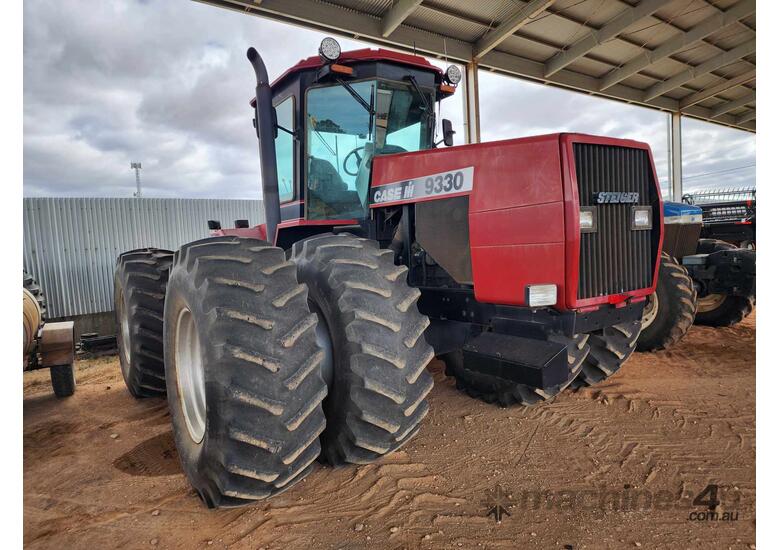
{"points": [[714, 63], [680, 41], [328, 18], [728, 106], [397, 14], [698, 97], [471, 102], [749, 126], [675, 162], [592, 40], [747, 117], [522, 16]]}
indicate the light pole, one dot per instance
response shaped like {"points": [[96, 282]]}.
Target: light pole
{"points": [[137, 167]]}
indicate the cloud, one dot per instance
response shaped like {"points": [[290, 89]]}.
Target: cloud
{"points": [[167, 83]]}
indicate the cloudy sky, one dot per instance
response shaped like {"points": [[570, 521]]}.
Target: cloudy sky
{"points": [[166, 82]]}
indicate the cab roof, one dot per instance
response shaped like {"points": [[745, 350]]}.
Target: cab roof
{"points": [[365, 54]]}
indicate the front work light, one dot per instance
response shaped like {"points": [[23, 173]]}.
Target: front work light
{"points": [[330, 50], [453, 75], [642, 218], [541, 295], [587, 219]]}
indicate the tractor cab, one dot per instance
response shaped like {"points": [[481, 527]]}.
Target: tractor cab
{"points": [[333, 113]]}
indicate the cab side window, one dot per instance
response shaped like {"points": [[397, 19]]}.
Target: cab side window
{"points": [[285, 149]]}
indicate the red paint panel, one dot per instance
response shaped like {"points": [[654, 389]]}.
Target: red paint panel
{"points": [[506, 270], [516, 219], [515, 210], [523, 213], [518, 225], [518, 172]]}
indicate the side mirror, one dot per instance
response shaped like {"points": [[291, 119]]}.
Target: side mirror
{"points": [[447, 132]]}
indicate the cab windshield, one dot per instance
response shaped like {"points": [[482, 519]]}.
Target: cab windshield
{"points": [[342, 137]]}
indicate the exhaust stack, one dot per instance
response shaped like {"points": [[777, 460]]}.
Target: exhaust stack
{"points": [[266, 122]]}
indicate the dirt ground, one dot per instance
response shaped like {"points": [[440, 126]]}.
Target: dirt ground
{"points": [[617, 466]]}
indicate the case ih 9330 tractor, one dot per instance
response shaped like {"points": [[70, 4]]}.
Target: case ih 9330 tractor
{"points": [[524, 264]]}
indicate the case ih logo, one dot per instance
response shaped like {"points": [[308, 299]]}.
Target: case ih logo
{"points": [[612, 197]]}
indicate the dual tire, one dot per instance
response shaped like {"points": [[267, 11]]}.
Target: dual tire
{"points": [[379, 382], [249, 338], [242, 365], [140, 281], [610, 348]]}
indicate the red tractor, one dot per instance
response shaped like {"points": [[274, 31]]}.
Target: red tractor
{"points": [[523, 264]]}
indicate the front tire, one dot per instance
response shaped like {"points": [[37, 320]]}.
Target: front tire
{"points": [[505, 393], [669, 311], [610, 348], [140, 281], [243, 370], [379, 380]]}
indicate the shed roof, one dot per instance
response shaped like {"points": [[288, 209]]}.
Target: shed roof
{"points": [[693, 56]]}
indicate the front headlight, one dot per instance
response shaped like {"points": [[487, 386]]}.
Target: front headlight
{"points": [[642, 218], [587, 219]]}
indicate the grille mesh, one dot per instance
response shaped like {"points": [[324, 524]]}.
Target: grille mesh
{"points": [[615, 259]]}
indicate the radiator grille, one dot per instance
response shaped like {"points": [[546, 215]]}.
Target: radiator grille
{"points": [[615, 259]]}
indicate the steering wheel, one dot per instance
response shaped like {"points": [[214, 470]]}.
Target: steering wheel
{"points": [[355, 152], [386, 150]]}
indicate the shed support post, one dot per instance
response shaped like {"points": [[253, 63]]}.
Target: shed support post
{"points": [[471, 103], [675, 160]]}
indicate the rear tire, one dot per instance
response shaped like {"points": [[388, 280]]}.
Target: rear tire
{"points": [[504, 393], [718, 310], [610, 348], [670, 310], [140, 281], [379, 381], [243, 370]]}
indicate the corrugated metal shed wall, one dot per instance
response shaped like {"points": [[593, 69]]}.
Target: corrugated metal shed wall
{"points": [[71, 244]]}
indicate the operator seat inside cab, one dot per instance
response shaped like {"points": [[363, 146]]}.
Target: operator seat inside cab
{"points": [[328, 193]]}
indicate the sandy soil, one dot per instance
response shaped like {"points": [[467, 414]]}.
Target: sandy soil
{"points": [[620, 464]]}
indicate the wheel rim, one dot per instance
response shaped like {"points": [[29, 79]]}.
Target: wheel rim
{"points": [[124, 343], [650, 311], [189, 375], [710, 302], [324, 341]]}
